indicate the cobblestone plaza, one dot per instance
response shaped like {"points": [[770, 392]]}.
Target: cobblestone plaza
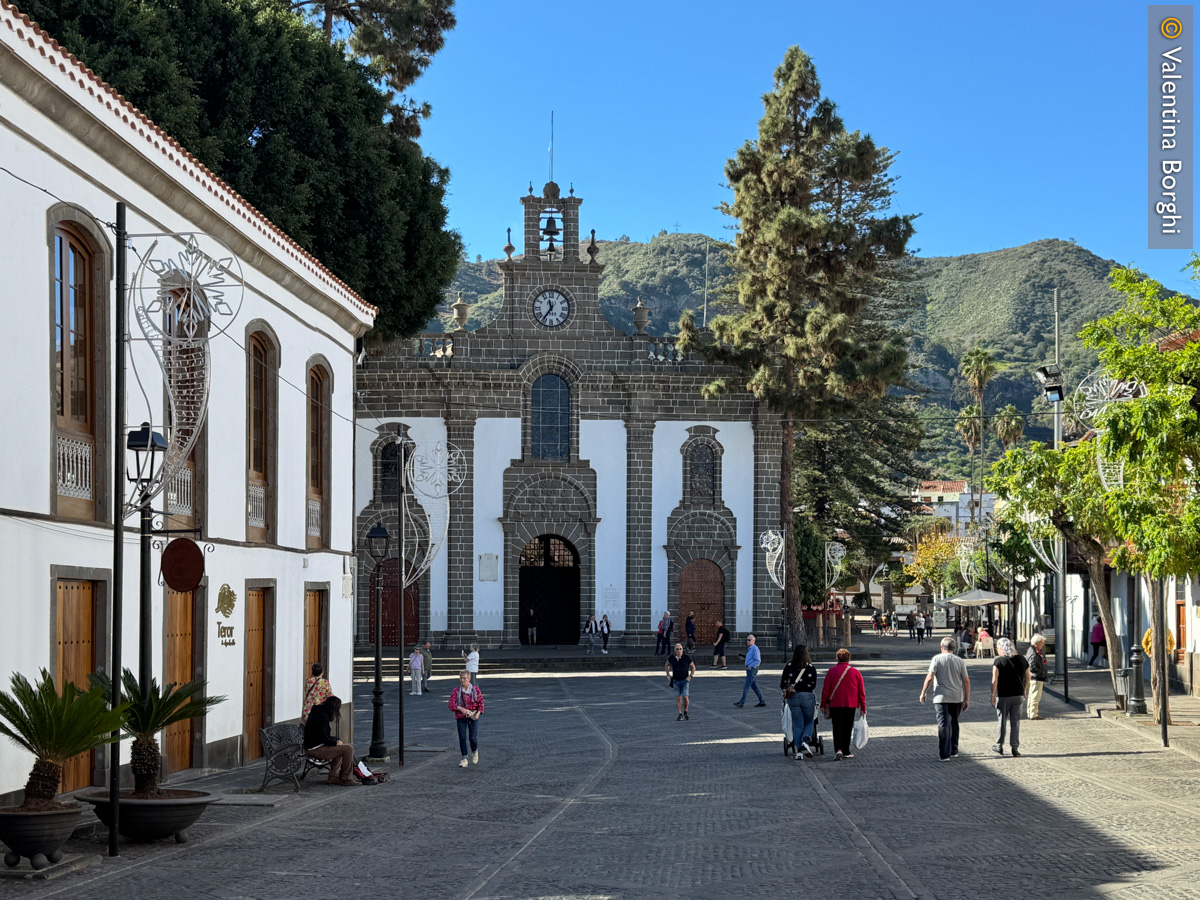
{"points": [[587, 787]]}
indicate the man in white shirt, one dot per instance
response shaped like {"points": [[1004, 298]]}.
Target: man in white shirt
{"points": [[951, 695]]}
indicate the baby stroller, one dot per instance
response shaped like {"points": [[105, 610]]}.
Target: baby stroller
{"points": [[789, 746]]}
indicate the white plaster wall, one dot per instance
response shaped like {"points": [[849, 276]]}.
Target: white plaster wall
{"points": [[426, 431], [737, 490], [497, 444], [84, 178], [602, 444]]}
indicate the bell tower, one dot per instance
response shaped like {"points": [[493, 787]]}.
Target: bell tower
{"points": [[551, 225]]}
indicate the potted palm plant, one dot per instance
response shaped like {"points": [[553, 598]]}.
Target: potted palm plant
{"points": [[148, 812], [54, 727]]}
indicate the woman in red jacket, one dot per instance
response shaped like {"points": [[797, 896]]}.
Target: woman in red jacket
{"points": [[842, 693]]}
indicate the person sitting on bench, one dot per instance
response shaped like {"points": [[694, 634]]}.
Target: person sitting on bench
{"points": [[319, 743]]}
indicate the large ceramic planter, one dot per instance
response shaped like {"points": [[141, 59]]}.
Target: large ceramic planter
{"points": [[152, 820], [38, 836]]}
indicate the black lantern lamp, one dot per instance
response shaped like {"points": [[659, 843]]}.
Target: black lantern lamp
{"points": [[378, 544], [146, 446]]}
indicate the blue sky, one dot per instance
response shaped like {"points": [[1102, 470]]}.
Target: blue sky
{"points": [[1013, 122]]}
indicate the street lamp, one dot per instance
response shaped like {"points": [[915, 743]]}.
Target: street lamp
{"points": [[378, 543], [1050, 380], [148, 448]]}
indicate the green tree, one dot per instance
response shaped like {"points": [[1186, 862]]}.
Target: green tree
{"points": [[260, 97], [1010, 425], [1047, 492], [1156, 511], [811, 200], [396, 39]]}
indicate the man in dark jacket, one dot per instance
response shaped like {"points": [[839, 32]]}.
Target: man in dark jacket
{"points": [[1038, 673]]}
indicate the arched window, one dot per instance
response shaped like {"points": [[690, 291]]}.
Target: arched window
{"points": [[260, 436], [75, 373], [702, 473], [389, 472], [550, 419], [318, 437]]}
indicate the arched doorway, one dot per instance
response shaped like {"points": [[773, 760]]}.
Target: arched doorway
{"points": [[391, 607], [702, 591], [549, 590]]}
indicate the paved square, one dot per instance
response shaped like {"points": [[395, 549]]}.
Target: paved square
{"points": [[587, 787]]}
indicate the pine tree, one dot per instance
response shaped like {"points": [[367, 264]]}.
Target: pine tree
{"points": [[811, 199], [395, 38]]}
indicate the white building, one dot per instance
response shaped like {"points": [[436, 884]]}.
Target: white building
{"points": [[274, 508], [956, 501]]}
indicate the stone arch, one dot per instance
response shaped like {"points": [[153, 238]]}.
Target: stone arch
{"points": [[554, 503]]}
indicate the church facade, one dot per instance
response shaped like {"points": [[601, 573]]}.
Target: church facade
{"points": [[592, 477]]}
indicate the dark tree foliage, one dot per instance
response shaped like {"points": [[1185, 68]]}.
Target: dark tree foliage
{"points": [[260, 97], [395, 39], [812, 202]]}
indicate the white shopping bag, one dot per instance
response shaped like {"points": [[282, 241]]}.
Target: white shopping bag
{"points": [[861, 733], [785, 721]]}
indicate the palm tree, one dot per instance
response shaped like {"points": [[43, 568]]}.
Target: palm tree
{"points": [[148, 713], [1009, 425], [54, 727], [978, 367], [970, 427]]}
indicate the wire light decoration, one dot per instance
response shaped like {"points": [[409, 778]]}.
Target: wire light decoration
{"points": [[431, 473], [187, 289], [1092, 397], [1051, 555], [772, 542], [835, 555]]}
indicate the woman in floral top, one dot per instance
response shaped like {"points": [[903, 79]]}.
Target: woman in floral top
{"points": [[466, 702], [316, 690]]}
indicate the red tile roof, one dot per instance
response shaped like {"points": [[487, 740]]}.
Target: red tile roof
{"points": [[1179, 340], [138, 125], [943, 487]]}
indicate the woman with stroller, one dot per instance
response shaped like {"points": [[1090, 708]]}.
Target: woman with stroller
{"points": [[798, 683]]}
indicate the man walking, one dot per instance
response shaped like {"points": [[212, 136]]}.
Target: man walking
{"points": [[1038, 672], [427, 670], [911, 621], [951, 695], [531, 626], [719, 646], [680, 670], [753, 661], [689, 628], [668, 630], [929, 625], [660, 642]]}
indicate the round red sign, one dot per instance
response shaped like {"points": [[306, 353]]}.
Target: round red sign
{"points": [[182, 565]]}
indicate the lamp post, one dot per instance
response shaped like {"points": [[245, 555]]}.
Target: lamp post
{"points": [[1135, 703], [378, 541], [1050, 379], [147, 446]]}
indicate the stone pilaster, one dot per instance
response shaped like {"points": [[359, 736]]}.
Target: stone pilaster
{"points": [[768, 447], [639, 462], [460, 539]]}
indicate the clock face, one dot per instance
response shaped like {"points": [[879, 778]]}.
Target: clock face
{"points": [[551, 308]]}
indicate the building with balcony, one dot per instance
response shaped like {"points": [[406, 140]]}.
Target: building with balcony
{"points": [[272, 510]]}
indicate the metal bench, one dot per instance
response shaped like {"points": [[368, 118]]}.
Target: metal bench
{"points": [[283, 752]]}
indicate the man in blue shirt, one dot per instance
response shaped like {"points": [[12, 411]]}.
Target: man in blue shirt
{"points": [[753, 660]]}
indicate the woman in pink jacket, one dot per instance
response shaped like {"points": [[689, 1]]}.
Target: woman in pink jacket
{"points": [[842, 693], [1097, 642]]}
